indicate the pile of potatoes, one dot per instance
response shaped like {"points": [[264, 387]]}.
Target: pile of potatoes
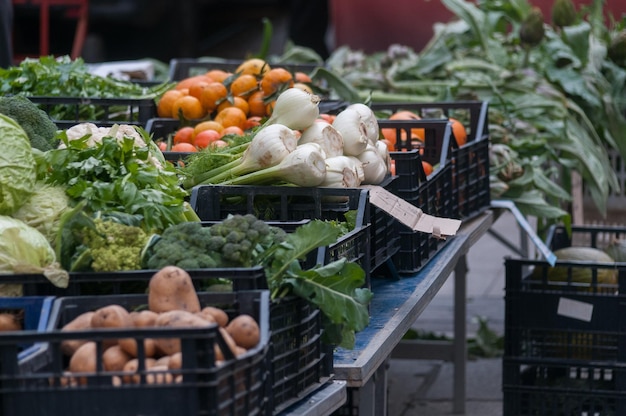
{"points": [[172, 303]]}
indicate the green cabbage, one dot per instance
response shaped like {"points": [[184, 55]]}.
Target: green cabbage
{"points": [[17, 166], [44, 208], [24, 250]]}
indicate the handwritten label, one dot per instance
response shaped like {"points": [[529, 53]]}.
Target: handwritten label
{"points": [[410, 215]]}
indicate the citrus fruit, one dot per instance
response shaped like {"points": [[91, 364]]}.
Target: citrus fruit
{"points": [[231, 116], [208, 125], [188, 107], [218, 75], [184, 147], [237, 131], [303, 77], [186, 83], [213, 95], [253, 66], [164, 107], [244, 85], [459, 132], [205, 138], [274, 79], [256, 104], [238, 102], [428, 168], [183, 135]]}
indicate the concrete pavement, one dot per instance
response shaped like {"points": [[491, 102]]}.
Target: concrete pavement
{"points": [[424, 387]]}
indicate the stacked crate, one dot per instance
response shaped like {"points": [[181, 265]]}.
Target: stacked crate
{"points": [[565, 342]]}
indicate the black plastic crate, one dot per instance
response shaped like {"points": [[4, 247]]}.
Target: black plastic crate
{"points": [[470, 162], [181, 68], [109, 111], [33, 313], [300, 361], [557, 389], [433, 193], [236, 387], [565, 341], [434, 197], [134, 281], [282, 203]]}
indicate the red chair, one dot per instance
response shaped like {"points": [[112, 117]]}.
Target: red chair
{"points": [[75, 9]]}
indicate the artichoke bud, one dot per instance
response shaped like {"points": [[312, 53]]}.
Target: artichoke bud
{"points": [[532, 31], [563, 13], [617, 48]]}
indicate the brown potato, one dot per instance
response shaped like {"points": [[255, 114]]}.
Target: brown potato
{"points": [[132, 366], [245, 331], [84, 359], [171, 288], [129, 345], [144, 319], [9, 322], [81, 322], [230, 342], [206, 316], [176, 319], [218, 314], [159, 375], [176, 361], [115, 358], [111, 316]]}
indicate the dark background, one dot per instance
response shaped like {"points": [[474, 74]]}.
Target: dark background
{"points": [[159, 29]]}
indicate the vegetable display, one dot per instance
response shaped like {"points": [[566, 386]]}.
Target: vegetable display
{"points": [[172, 303], [555, 93], [296, 146]]}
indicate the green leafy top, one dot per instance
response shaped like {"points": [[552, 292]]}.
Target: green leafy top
{"points": [[116, 176]]}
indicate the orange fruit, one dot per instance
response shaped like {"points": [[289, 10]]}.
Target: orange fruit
{"points": [[162, 144], [428, 168], [256, 104], [237, 131], [269, 107], [418, 133], [185, 83], [213, 95], [244, 85], [303, 77], [218, 75], [231, 116], [238, 102], [458, 129], [188, 107], [205, 138], [184, 147], [183, 135], [208, 125], [195, 89], [252, 121], [274, 79], [253, 66], [164, 107]]}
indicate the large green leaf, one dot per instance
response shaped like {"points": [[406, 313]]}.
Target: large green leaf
{"points": [[337, 290]]}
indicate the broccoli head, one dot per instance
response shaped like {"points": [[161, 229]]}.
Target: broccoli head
{"points": [[237, 241], [41, 130], [114, 246], [188, 245]]}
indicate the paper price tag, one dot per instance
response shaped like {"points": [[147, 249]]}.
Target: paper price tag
{"points": [[410, 215]]}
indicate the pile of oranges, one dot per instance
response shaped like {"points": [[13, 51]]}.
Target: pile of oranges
{"points": [[418, 134], [225, 102]]}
